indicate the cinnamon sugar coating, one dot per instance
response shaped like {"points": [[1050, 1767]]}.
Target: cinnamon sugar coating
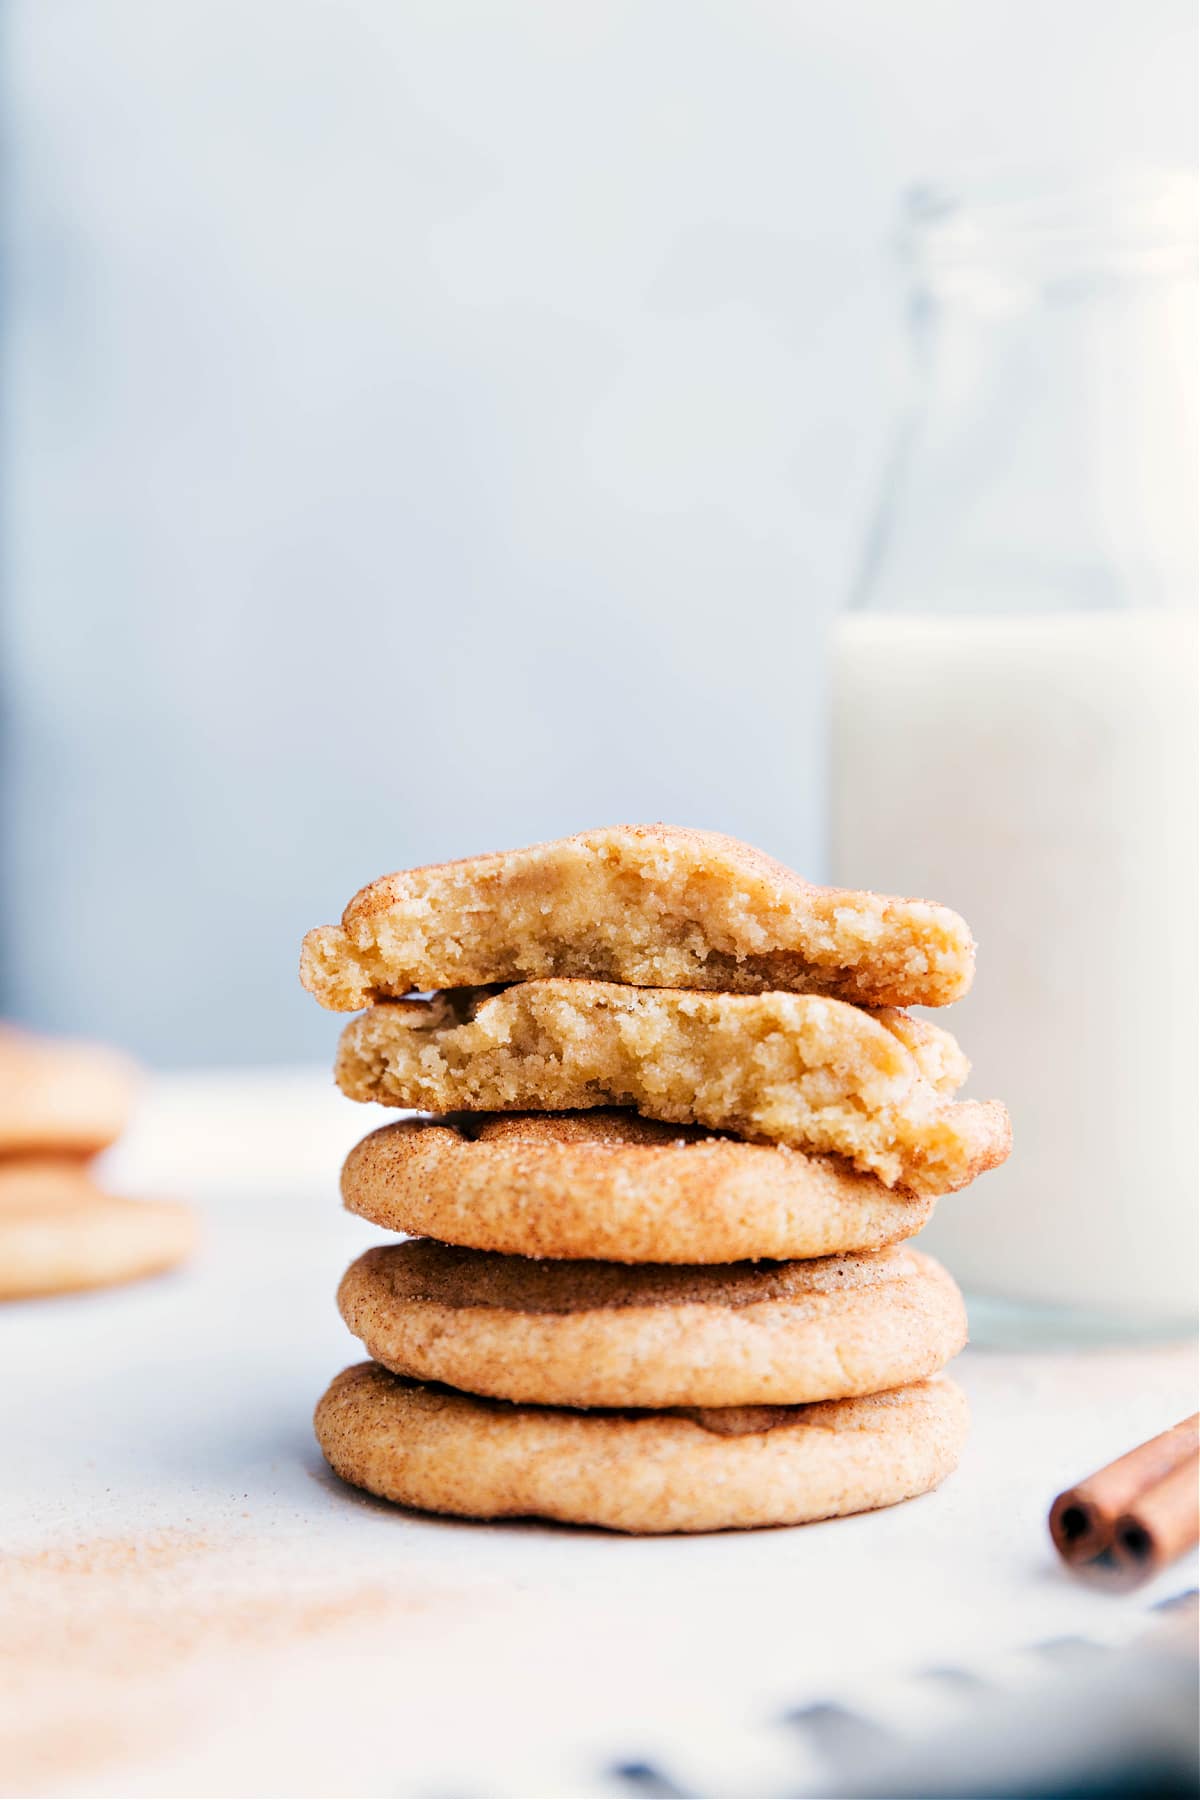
{"points": [[586, 1334], [615, 1186]]}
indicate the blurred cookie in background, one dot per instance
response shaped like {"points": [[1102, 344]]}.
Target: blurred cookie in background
{"points": [[60, 1232], [60, 1095], [62, 1102]]}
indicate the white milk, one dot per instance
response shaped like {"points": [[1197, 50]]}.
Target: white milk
{"points": [[1039, 775]]}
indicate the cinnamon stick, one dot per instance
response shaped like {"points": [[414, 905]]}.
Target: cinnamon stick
{"points": [[1160, 1524], [1083, 1519]]}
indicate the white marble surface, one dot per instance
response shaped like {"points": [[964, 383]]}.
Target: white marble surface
{"points": [[198, 1607]]}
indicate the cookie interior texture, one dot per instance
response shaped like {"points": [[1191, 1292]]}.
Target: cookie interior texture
{"points": [[428, 1446], [650, 905], [811, 1073]]}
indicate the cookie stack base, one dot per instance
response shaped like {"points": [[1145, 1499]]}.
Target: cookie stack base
{"points": [[439, 1450]]}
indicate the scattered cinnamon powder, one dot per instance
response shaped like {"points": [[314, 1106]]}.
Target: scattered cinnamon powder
{"points": [[109, 1649]]}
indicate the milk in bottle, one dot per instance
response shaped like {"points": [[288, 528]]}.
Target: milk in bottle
{"points": [[1015, 725]]}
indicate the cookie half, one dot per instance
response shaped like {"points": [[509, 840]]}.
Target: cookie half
{"points": [[59, 1232], [651, 905], [587, 1334], [446, 1452], [614, 1186], [61, 1097], [790, 1069]]}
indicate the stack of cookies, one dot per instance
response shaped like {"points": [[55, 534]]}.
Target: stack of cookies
{"points": [[60, 1104], [676, 1129]]}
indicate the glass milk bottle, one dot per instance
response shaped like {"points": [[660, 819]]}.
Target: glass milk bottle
{"points": [[1015, 726]]}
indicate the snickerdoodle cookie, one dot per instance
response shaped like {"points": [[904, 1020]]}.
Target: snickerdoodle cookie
{"points": [[60, 1232], [587, 1334], [61, 1096], [704, 1470], [811, 1073], [652, 905], [615, 1186]]}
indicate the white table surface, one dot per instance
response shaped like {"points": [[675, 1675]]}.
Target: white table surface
{"points": [[191, 1604]]}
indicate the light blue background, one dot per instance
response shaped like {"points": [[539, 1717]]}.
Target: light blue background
{"points": [[432, 426]]}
